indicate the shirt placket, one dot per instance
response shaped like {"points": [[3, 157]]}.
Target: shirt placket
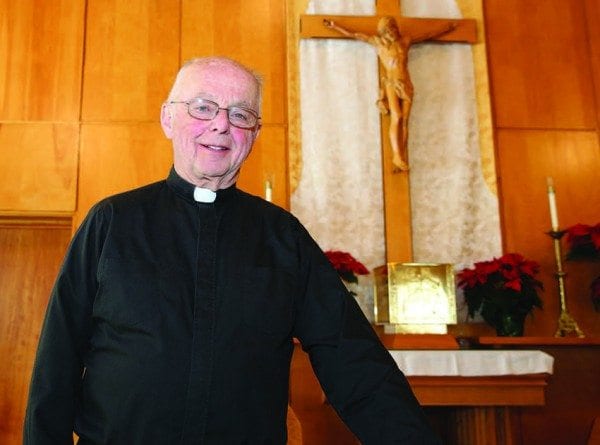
{"points": [[201, 363]]}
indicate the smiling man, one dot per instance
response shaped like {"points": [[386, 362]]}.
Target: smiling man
{"points": [[172, 318], [210, 143]]}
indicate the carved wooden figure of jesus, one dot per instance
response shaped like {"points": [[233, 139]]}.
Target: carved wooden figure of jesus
{"points": [[396, 89]]}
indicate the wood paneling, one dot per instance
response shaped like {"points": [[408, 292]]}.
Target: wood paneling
{"points": [[119, 157], [539, 64], [544, 73], [267, 162], [41, 51], [29, 261], [132, 55], [38, 166], [592, 15], [572, 394], [250, 31], [526, 158]]}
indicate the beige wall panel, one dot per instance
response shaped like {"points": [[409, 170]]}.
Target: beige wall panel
{"points": [[38, 165], [29, 261], [119, 157], [41, 50], [540, 64], [132, 54], [267, 162], [571, 158], [250, 31]]}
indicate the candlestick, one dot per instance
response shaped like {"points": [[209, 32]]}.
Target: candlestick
{"points": [[566, 323], [552, 203]]}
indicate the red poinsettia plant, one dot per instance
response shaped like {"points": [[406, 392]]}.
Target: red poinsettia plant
{"points": [[502, 288], [583, 241], [346, 265]]}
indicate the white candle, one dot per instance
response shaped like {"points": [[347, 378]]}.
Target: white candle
{"points": [[552, 203], [268, 191]]}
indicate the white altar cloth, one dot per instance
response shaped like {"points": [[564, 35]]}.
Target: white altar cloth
{"points": [[470, 363]]}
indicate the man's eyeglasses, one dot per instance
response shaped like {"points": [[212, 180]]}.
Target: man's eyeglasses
{"points": [[207, 110]]}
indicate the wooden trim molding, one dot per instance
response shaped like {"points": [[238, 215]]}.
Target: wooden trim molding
{"points": [[20, 219]]}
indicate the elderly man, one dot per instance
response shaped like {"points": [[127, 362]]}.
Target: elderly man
{"points": [[172, 318]]}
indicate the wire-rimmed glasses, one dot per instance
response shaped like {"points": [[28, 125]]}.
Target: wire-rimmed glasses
{"points": [[205, 109]]}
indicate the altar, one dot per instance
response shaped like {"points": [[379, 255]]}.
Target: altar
{"points": [[479, 392]]}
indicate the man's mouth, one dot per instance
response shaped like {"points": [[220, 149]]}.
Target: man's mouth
{"points": [[215, 147]]}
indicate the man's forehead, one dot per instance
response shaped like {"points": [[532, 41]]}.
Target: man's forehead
{"points": [[216, 71], [203, 78]]}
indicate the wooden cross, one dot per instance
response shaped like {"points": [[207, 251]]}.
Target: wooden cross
{"points": [[397, 217]]}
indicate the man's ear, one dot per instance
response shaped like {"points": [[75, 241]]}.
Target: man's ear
{"points": [[256, 131], [166, 120]]}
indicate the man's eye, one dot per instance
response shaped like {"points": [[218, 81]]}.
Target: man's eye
{"points": [[203, 109], [239, 115]]}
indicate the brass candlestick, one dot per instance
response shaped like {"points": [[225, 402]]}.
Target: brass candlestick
{"points": [[566, 323]]}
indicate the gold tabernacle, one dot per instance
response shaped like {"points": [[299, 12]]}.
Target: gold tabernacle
{"points": [[416, 298]]}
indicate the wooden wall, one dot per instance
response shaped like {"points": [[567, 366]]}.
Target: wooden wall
{"points": [[545, 90], [82, 86], [29, 260], [81, 83], [544, 62]]}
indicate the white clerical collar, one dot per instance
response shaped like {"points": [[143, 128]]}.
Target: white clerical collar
{"points": [[204, 195]]}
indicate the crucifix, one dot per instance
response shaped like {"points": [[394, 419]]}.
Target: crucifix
{"points": [[392, 34]]}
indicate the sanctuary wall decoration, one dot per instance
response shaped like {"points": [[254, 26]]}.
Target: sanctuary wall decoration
{"points": [[337, 170]]}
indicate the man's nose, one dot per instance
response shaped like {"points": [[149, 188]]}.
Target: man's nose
{"points": [[220, 122]]}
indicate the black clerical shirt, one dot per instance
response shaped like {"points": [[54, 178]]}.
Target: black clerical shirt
{"points": [[171, 322]]}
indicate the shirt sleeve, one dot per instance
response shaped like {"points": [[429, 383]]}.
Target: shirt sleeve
{"points": [[58, 367], [357, 373]]}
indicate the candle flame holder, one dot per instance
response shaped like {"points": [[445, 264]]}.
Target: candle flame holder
{"points": [[566, 323]]}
